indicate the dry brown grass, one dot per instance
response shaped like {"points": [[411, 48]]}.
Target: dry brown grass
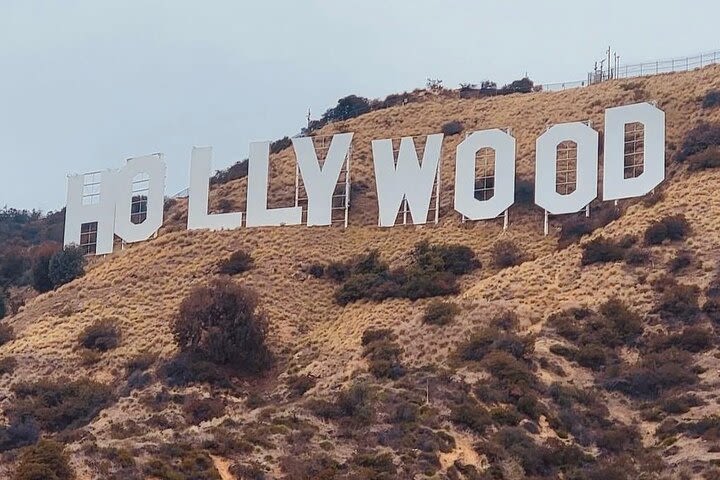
{"points": [[143, 286]]}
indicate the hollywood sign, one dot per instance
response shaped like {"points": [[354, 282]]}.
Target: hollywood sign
{"points": [[129, 202]]}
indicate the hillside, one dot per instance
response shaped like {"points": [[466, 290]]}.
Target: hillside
{"points": [[459, 425]]}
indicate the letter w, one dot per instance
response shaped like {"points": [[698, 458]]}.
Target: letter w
{"points": [[408, 179]]}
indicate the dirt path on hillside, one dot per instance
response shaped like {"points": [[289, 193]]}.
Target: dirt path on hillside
{"points": [[223, 467]]}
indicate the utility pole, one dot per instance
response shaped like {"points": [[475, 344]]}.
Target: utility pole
{"points": [[308, 119]]}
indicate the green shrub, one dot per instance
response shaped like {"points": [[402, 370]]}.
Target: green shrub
{"points": [[61, 404], [682, 260], [238, 262], [672, 227], [432, 273], [3, 306], [221, 324], [101, 336], [452, 128], [46, 460], [346, 108], [506, 253], [66, 265], [439, 312], [20, 432]]}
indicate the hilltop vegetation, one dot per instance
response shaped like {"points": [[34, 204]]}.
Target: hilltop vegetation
{"points": [[456, 351]]}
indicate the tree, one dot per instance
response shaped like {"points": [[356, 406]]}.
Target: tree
{"points": [[66, 265], [221, 323], [41, 266]]}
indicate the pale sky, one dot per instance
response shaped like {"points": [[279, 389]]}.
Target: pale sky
{"points": [[87, 84]]}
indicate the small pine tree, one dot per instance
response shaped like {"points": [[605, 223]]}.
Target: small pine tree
{"points": [[66, 265]]}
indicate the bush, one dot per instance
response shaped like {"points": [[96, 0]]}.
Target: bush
{"points": [[383, 353], [602, 250], [439, 312], [524, 85], [280, 145], [574, 227], [3, 306], [680, 302], [655, 374], [101, 336], [432, 273], [346, 108], [698, 139], [674, 227], [45, 461], [352, 405], [7, 334], [198, 410], [488, 340], [187, 368], [221, 324], [682, 260], [238, 262], [66, 265], [298, 385], [506, 253], [470, 414], [704, 160], [61, 404], [452, 128], [711, 99], [234, 172], [19, 433], [41, 266]]}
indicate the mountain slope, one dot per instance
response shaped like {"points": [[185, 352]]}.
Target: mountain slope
{"points": [[142, 287]]}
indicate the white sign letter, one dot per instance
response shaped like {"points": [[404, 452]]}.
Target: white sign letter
{"points": [[91, 210], [319, 181], [140, 198], [408, 180], [198, 217], [504, 175], [258, 215], [546, 195], [615, 185]]}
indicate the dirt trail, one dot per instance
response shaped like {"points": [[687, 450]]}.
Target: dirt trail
{"points": [[223, 467]]}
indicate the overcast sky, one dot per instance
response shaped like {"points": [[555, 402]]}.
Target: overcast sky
{"points": [[87, 84]]}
